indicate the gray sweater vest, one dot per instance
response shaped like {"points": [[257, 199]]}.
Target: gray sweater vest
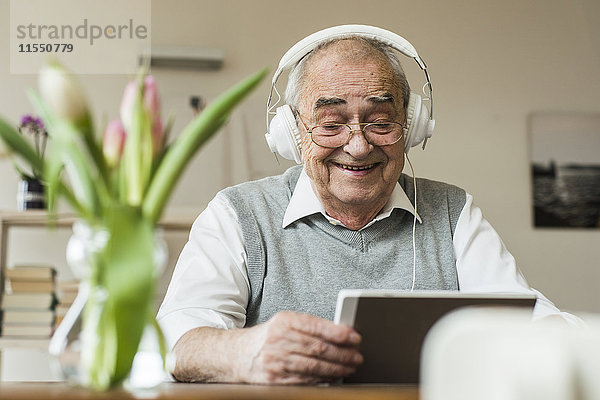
{"points": [[302, 267]]}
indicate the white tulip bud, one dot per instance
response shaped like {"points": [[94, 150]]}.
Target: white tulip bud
{"points": [[62, 93]]}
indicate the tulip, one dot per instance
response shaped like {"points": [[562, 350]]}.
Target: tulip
{"points": [[150, 102], [158, 135], [127, 104], [151, 98], [152, 106], [140, 114], [62, 93], [113, 142]]}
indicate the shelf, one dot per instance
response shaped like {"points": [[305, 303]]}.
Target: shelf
{"points": [[40, 219], [12, 343], [34, 218]]}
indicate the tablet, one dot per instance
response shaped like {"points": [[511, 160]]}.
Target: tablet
{"points": [[393, 325]]}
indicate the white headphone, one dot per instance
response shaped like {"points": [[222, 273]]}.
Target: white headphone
{"points": [[283, 135]]}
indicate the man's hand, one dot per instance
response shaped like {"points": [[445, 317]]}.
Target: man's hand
{"points": [[290, 348], [299, 348]]}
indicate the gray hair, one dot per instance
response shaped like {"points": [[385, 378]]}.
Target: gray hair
{"points": [[298, 72]]}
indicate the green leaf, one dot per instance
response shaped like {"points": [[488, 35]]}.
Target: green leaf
{"points": [[191, 139], [94, 149], [128, 271], [70, 198], [65, 140], [22, 173], [164, 146], [52, 173], [162, 342]]}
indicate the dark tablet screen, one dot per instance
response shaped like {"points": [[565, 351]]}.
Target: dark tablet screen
{"points": [[393, 329]]}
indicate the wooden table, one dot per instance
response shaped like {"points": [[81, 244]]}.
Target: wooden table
{"points": [[197, 391]]}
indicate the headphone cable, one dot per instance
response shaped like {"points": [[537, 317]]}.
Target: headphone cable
{"points": [[414, 278]]}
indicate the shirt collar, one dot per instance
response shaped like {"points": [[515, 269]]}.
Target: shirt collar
{"points": [[304, 202]]}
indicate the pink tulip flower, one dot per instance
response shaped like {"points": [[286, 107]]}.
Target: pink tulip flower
{"points": [[158, 136], [113, 142], [151, 98], [151, 105]]}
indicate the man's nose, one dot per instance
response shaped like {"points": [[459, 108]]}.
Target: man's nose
{"points": [[357, 146]]}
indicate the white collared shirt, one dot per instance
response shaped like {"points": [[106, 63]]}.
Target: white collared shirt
{"points": [[305, 202], [210, 284]]}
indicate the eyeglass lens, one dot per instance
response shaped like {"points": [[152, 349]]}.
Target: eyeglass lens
{"points": [[337, 135]]}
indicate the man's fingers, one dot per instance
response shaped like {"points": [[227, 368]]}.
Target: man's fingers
{"points": [[322, 328], [298, 365], [311, 346]]}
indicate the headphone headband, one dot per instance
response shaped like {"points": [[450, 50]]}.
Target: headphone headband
{"points": [[311, 42]]}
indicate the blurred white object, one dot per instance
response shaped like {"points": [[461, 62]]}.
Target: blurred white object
{"points": [[20, 364], [147, 371], [494, 354]]}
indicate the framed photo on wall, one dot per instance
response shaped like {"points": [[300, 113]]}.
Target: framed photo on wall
{"points": [[565, 166]]}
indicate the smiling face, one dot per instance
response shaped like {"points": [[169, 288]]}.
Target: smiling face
{"points": [[349, 82]]}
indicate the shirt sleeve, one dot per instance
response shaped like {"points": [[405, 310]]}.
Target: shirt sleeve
{"points": [[209, 286], [483, 263]]}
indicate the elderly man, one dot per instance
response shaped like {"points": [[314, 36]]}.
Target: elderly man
{"points": [[270, 256]]}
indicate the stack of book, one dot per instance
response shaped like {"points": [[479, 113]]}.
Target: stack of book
{"points": [[67, 291], [28, 302]]}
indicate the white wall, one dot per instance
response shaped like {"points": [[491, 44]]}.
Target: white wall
{"points": [[492, 63]]}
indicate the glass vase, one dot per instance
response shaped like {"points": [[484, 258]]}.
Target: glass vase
{"points": [[75, 344]]}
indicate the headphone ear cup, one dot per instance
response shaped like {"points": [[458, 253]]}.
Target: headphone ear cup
{"points": [[284, 136], [418, 125], [412, 109]]}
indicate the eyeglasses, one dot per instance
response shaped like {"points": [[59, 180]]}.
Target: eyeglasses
{"points": [[333, 136]]}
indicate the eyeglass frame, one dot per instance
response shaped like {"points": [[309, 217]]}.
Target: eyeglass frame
{"points": [[363, 125]]}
